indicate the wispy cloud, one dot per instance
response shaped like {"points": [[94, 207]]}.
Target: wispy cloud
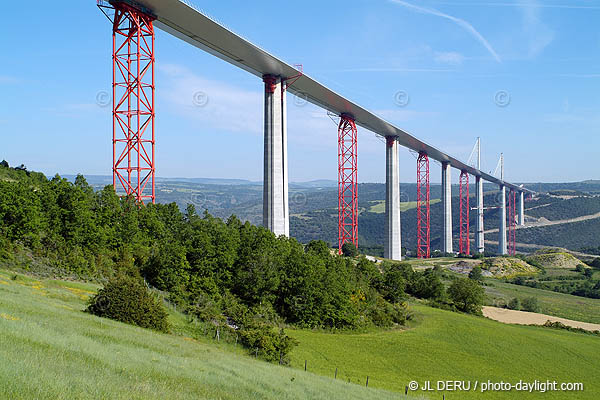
{"points": [[458, 21], [217, 104], [538, 34], [5, 79], [392, 69], [520, 4], [450, 57]]}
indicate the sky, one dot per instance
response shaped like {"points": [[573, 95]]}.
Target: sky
{"points": [[523, 75]]}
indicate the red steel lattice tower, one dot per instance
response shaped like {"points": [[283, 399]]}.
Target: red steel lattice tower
{"points": [[423, 250], [133, 100], [512, 223], [347, 182], [464, 243]]}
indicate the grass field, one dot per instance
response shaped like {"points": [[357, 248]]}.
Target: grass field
{"points": [[50, 349], [450, 346], [55, 351], [551, 303]]}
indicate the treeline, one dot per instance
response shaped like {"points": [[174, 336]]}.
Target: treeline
{"points": [[201, 261]]}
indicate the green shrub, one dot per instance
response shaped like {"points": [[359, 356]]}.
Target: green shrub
{"points": [[476, 274], [467, 295], [263, 340], [349, 250], [126, 299], [530, 304], [514, 304]]}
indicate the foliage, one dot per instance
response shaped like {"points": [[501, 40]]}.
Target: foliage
{"points": [[514, 304], [467, 295], [530, 304], [200, 261], [272, 345], [126, 299], [349, 250], [476, 274]]}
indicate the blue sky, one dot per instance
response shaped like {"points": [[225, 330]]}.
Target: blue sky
{"points": [[450, 57]]}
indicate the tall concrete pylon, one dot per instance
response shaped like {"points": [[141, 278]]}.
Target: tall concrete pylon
{"points": [[447, 207], [275, 183], [521, 208], [393, 237], [479, 235], [502, 249]]}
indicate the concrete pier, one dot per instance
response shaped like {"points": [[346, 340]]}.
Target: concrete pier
{"points": [[393, 242], [275, 189], [502, 231], [479, 236], [447, 207], [521, 208]]}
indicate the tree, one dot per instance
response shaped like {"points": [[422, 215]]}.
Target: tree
{"points": [[467, 295], [349, 250], [4, 163], [531, 304], [580, 268], [476, 274], [588, 273], [394, 285], [514, 304]]}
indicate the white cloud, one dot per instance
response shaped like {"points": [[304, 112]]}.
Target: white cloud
{"points": [[451, 57], [217, 104], [538, 35], [5, 79], [458, 21]]}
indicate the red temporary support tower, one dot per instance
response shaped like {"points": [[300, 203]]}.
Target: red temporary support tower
{"points": [[464, 243], [512, 223], [347, 182], [133, 99], [423, 250]]}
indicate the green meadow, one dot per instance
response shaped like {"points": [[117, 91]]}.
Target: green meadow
{"points": [[552, 303], [443, 345], [50, 349]]}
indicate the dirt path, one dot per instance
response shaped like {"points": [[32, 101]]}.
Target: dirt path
{"points": [[529, 318]]}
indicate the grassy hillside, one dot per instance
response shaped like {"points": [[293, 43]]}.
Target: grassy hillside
{"points": [[450, 346], [551, 303], [50, 349]]}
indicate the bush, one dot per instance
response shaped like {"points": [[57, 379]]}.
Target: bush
{"points": [[271, 345], [530, 304], [467, 295], [476, 274], [349, 250], [580, 268], [514, 304], [126, 299]]}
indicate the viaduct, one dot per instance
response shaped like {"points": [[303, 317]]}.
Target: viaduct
{"points": [[133, 27]]}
